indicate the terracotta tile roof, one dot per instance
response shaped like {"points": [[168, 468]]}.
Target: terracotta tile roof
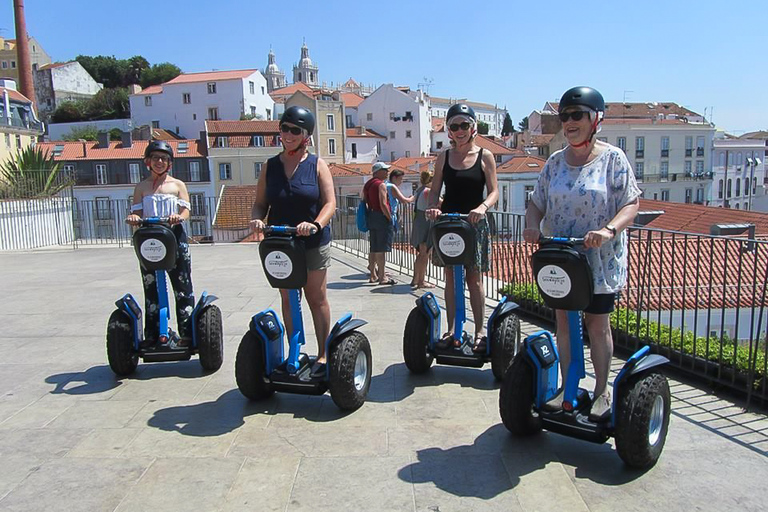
{"points": [[162, 134], [648, 121], [351, 83], [73, 151], [210, 76], [289, 90], [637, 110], [759, 135], [15, 95], [493, 146], [521, 163], [351, 99], [234, 211], [354, 169], [244, 141], [152, 89], [438, 124], [408, 164], [354, 132], [695, 218], [539, 140], [254, 127]]}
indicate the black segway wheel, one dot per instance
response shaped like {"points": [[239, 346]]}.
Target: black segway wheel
{"points": [[351, 365], [416, 342], [210, 339], [505, 340], [123, 359], [516, 398], [642, 419], [250, 368]]}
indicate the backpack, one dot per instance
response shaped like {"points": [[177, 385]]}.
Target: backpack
{"points": [[362, 217]]}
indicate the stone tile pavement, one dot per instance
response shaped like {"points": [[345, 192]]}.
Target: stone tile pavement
{"points": [[73, 437]]}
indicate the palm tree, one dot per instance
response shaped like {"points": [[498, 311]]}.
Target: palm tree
{"points": [[31, 173]]}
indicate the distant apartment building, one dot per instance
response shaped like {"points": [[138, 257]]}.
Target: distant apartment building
{"points": [[362, 145], [238, 150], [57, 83], [184, 104], [400, 115], [351, 102], [330, 135], [107, 173], [738, 167], [9, 60], [491, 115], [19, 126]]}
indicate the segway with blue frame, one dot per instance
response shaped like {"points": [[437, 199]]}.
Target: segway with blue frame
{"points": [[261, 367], [454, 240], [639, 418], [156, 246]]}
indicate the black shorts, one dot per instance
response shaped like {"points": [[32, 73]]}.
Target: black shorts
{"points": [[602, 303]]}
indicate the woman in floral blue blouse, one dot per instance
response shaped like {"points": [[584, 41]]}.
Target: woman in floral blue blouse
{"points": [[587, 190]]}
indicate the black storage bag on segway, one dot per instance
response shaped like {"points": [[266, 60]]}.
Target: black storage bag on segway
{"points": [[563, 276], [155, 246], [454, 240], [285, 261]]}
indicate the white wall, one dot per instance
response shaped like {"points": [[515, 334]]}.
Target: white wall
{"points": [[232, 98], [737, 151], [57, 131], [743, 320], [27, 224], [367, 151]]}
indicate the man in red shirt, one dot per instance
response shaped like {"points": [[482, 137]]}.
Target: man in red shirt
{"points": [[381, 229]]}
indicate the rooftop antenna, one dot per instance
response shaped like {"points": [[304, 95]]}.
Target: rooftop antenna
{"points": [[425, 85], [627, 92]]}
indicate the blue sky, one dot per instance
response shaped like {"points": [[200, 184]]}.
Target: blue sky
{"points": [[703, 54]]}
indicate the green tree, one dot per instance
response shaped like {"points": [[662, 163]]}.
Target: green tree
{"points": [[523, 125], [106, 70], [482, 128], [509, 127], [159, 73], [69, 112], [136, 66], [82, 133], [31, 173], [109, 104], [115, 134]]}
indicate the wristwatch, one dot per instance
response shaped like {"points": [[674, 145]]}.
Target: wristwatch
{"points": [[612, 229]]}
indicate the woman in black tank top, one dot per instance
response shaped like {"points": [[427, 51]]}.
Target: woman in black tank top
{"points": [[468, 173]]}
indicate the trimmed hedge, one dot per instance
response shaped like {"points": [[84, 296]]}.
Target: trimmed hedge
{"points": [[711, 348]]}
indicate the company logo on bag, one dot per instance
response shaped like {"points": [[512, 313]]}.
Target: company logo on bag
{"points": [[451, 245], [553, 281], [278, 265], [152, 250]]}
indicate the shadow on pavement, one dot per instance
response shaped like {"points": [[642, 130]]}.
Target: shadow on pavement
{"points": [[99, 379], [496, 462]]}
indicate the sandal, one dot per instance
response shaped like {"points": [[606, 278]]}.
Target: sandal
{"points": [[388, 281], [481, 343], [445, 341], [426, 286]]}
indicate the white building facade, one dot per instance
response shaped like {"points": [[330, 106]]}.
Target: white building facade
{"points": [[402, 116], [738, 167], [182, 105], [362, 145]]}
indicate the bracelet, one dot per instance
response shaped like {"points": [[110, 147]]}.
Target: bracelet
{"points": [[486, 206], [318, 226]]}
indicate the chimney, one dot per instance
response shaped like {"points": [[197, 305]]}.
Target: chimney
{"points": [[361, 130], [22, 52], [134, 89], [85, 147], [127, 138], [103, 138]]}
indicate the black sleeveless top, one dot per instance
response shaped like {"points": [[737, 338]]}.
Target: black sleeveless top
{"points": [[297, 200], [464, 188]]}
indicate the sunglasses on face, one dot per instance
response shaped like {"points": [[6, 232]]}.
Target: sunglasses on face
{"points": [[459, 126], [160, 158], [576, 115], [295, 130]]}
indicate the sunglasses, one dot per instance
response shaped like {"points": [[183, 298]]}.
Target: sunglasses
{"points": [[160, 158], [295, 130], [462, 126], [576, 115]]}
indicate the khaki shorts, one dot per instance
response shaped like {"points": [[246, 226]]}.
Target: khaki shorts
{"points": [[319, 258]]}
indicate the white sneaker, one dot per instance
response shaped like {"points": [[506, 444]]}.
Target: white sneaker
{"points": [[601, 408], [555, 403]]}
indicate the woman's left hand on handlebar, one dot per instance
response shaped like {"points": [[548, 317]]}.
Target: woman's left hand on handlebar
{"points": [[305, 229], [477, 214], [597, 238], [174, 219]]}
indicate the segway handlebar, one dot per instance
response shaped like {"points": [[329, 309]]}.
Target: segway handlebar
{"points": [[285, 230], [450, 216], [561, 240]]}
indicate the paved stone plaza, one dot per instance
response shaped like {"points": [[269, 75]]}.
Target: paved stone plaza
{"points": [[73, 437]]}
